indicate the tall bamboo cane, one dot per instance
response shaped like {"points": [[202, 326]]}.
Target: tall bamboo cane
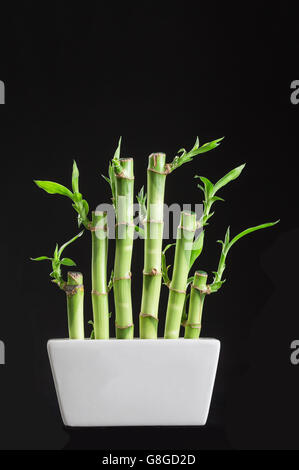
{"points": [[99, 291], [177, 288], [156, 176], [124, 186], [75, 296], [199, 290]]}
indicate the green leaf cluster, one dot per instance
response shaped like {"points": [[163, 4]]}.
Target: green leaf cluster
{"points": [[57, 262], [185, 157], [209, 189]]}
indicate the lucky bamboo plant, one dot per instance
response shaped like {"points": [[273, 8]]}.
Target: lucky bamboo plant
{"points": [[186, 293]]}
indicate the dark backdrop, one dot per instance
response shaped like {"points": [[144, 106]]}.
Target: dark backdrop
{"points": [[77, 77]]}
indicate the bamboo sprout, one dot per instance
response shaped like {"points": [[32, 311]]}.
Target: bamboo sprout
{"points": [[99, 291], [156, 176], [197, 297], [75, 297], [124, 186], [177, 287], [200, 289]]}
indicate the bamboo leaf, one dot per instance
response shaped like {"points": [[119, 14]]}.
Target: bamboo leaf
{"points": [[164, 267], [226, 238], [117, 151], [68, 243], [54, 188], [85, 207], [197, 248], [196, 145], [196, 150], [216, 198], [68, 262], [232, 175], [247, 231], [115, 160], [209, 187], [209, 146], [107, 179], [41, 258], [141, 198], [75, 178]]}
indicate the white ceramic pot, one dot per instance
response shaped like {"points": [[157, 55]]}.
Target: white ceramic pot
{"points": [[134, 382]]}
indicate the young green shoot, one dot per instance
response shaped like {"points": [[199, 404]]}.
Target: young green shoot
{"points": [[226, 246], [79, 204], [73, 288], [209, 189], [186, 157], [57, 262]]}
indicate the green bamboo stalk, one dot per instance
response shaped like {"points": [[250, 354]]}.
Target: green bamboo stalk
{"points": [[99, 293], [156, 176], [75, 296], [177, 288], [124, 186], [198, 292]]}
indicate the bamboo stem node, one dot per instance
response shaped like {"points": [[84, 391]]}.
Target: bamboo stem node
{"points": [[121, 278], [206, 290], [180, 227], [128, 224], [148, 315], [95, 292], [123, 327], [196, 326], [166, 172], [70, 289], [153, 272], [153, 221], [97, 229], [123, 176], [176, 290]]}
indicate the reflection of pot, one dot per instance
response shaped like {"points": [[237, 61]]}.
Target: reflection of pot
{"points": [[134, 382]]}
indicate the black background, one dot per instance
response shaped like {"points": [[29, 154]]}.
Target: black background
{"points": [[77, 77]]}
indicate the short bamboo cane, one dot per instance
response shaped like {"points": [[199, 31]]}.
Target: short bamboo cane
{"points": [[197, 297], [177, 288], [123, 250], [99, 291], [156, 176], [75, 297]]}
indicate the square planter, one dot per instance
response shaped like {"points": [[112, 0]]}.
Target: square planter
{"points": [[134, 382]]}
